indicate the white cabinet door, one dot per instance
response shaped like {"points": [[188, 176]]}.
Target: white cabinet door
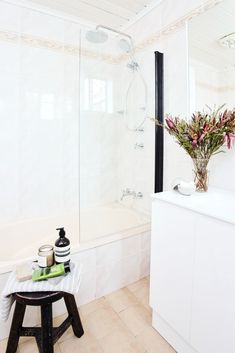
{"points": [[213, 303], [172, 253]]}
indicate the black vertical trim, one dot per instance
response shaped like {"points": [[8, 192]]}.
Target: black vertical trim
{"points": [[159, 114]]}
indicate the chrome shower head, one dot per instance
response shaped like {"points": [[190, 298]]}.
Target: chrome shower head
{"points": [[97, 36]]}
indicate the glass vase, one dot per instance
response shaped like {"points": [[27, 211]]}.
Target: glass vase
{"points": [[201, 174]]}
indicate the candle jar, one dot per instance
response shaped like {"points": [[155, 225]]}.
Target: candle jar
{"points": [[45, 256]]}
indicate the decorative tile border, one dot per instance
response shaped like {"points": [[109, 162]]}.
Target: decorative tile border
{"points": [[61, 47]]}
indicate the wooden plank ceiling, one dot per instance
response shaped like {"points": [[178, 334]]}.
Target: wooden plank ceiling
{"points": [[114, 13]]}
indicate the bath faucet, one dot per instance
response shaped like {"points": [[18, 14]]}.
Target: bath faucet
{"points": [[139, 195], [139, 145], [129, 192]]}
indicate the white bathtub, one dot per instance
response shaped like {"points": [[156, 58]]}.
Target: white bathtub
{"points": [[109, 262], [98, 225], [108, 220]]}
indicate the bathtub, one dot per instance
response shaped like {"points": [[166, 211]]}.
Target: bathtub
{"points": [[98, 225], [114, 252]]}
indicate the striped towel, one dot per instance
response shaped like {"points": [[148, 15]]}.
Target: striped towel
{"points": [[69, 284]]}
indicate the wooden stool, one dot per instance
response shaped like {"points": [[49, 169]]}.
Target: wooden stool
{"points": [[46, 336]]}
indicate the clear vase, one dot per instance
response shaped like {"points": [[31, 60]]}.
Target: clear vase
{"points": [[201, 174]]}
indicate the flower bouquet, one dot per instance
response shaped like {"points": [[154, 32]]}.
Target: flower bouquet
{"points": [[203, 136]]}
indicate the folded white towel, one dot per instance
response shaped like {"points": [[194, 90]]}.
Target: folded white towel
{"points": [[69, 284]]}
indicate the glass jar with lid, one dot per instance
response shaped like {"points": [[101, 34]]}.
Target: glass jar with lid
{"points": [[45, 256]]}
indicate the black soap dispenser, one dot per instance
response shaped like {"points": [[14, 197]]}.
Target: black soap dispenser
{"points": [[62, 249]]}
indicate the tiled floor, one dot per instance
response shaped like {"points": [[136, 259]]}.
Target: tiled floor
{"points": [[117, 323]]}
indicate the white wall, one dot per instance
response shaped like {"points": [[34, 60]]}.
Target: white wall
{"points": [[39, 116], [211, 85], [98, 135]]}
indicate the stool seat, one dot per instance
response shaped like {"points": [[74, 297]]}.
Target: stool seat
{"points": [[37, 298], [46, 335]]}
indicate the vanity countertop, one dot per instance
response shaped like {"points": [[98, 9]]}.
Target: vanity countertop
{"points": [[216, 203]]}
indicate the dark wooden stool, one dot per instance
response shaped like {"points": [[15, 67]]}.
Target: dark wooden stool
{"points": [[46, 336]]}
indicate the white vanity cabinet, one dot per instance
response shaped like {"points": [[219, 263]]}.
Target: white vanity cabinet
{"points": [[192, 280]]}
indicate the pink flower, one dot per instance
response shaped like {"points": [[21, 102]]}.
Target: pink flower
{"points": [[194, 143], [202, 137], [229, 139], [206, 127], [170, 123]]}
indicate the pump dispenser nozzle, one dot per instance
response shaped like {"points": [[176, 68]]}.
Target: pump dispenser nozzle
{"points": [[61, 232]]}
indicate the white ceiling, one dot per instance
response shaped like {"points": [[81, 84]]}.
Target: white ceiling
{"points": [[205, 31], [114, 13]]}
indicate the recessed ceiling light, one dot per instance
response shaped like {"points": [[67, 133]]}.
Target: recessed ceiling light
{"points": [[228, 41]]}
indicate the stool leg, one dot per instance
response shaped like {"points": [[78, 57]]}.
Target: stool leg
{"points": [[73, 312], [47, 329], [17, 321]]}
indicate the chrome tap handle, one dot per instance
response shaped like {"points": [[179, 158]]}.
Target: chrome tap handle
{"points": [[139, 145], [139, 195]]}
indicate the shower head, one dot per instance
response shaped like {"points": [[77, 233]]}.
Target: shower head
{"points": [[97, 36], [124, 45]]}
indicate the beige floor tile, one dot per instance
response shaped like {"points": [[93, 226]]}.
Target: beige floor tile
{"points": [[93, 306], [142, 294], [140, 290], [128, 347], [136, 286], [134, 347], [121, 299], [136, 318], [100, 322], [3, 346], [30, 346], [118, 323], [119, 336], [24, 339], [85, 344], [153, 342]]}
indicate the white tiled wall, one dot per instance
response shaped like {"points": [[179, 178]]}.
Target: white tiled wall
{"points": [[39, 116], [105, 268], [211, 85], [98, 137]]}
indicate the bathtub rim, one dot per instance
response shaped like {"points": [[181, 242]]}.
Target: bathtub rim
{"points": [[6, 267]]}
